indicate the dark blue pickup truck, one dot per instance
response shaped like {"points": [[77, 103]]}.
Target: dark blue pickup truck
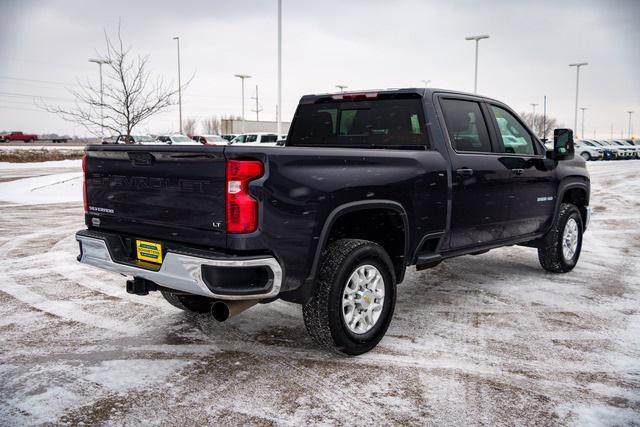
{"points": [[366, 185]]}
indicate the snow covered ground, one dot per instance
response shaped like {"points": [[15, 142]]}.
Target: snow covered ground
{"points": [[489, 339]]}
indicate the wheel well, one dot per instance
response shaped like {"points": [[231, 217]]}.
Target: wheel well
{"points": [[382, 226], [577, 197]]}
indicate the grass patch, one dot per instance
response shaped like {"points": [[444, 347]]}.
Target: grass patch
{"points": [[31, 156]]}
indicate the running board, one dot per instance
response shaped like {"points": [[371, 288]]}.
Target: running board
{"points": [[428, 261]]}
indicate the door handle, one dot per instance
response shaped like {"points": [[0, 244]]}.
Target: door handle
{"points": [[517, 171], [464, 172]]}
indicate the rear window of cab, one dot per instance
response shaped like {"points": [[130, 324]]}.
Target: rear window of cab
{"points": [[364, 123]]}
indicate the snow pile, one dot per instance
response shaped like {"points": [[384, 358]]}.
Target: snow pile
{"points": [[56, 188], [39, 165]]}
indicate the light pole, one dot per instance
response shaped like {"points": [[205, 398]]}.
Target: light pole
{"points": [[242, 77], [477, 40], [342, 87], [533, 118], [279, 107], [630, 113], [426, 83], [575, 116], [100, 62], [177, 39], [582, 127]]}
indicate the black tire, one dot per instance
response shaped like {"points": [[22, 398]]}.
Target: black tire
{"points": [[550, 253], [323, 315], [193, 303]]}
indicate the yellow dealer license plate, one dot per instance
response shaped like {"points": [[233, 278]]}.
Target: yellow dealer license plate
{"points": [[149, 251]]}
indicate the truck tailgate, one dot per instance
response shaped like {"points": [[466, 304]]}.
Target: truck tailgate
{"points": [[160, 192]]}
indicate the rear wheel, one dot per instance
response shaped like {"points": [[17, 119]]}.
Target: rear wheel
{"points": [[560, 248], [586, 156], [352, 305], [194, 303]]}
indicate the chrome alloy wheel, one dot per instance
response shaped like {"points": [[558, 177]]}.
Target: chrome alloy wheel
{"points": [[363, 299], [570, 239]]}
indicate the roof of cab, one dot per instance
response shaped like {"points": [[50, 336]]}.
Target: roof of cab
{"points": [[421, 92]]}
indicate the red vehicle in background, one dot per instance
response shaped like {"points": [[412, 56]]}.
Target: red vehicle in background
{"points": [[18, 136]]}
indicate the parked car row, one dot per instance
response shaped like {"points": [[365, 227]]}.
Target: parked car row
{"points": [[607, 149], [613, 149], [253, 139]]}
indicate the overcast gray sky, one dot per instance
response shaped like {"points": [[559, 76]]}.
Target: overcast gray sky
{"points": [[359, 43]]}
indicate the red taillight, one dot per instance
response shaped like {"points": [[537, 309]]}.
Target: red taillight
{"points": [[84, 184], [242, 209]]}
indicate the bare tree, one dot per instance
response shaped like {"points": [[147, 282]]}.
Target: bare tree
{"points": [[189, 126], [131, 95], [211, 125], [538, 126]]}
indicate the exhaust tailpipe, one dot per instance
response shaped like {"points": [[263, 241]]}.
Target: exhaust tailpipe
{"points": [[223, 310]]}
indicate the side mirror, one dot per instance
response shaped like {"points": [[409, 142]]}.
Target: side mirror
{"points": [[563, 144], [280, 142]]}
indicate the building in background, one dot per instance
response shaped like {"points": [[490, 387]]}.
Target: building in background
{"points": [[229, 126]]}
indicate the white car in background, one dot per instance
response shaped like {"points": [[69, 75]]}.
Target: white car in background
{"points": [[176, 140], [632, 148], [210, 139], [588, 150], [262, 139], [616, 150]]}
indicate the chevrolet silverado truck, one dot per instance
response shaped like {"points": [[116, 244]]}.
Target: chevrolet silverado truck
{"points": [[366, 185]]}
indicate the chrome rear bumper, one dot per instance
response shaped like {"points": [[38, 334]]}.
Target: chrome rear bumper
{"points": [[179, 271]]}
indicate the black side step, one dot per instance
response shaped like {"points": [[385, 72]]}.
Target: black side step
{"points": [[428, 261]]}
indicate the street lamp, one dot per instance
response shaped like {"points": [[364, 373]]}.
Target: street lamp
{"points": [[630, 113], [177, 39], [426, 83], [577, 65], [582, 127], [533, 117], [242, 77], [100, 62], [477, 40], [342, 87], [279, 108]]}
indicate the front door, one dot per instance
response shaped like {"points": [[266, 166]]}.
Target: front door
{"points": [[534, 188], [481, 186]]}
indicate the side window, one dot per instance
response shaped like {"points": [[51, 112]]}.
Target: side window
{"points": [[251, 138], [515, 138], [466, 125], [269, 138]]}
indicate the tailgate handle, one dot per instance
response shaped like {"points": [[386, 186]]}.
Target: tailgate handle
{"points": [[141, 159]]}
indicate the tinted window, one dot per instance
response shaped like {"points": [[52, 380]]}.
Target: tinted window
{"points": [[251, 138], [268, 138], [381, 122], [466, 126], [515, 138]]}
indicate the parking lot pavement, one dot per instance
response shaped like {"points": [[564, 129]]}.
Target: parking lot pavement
{"points": [[489, 339]]}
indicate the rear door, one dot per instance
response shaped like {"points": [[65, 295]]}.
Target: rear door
{"points": [[534, 188], [481, 186], [174, 193]]}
